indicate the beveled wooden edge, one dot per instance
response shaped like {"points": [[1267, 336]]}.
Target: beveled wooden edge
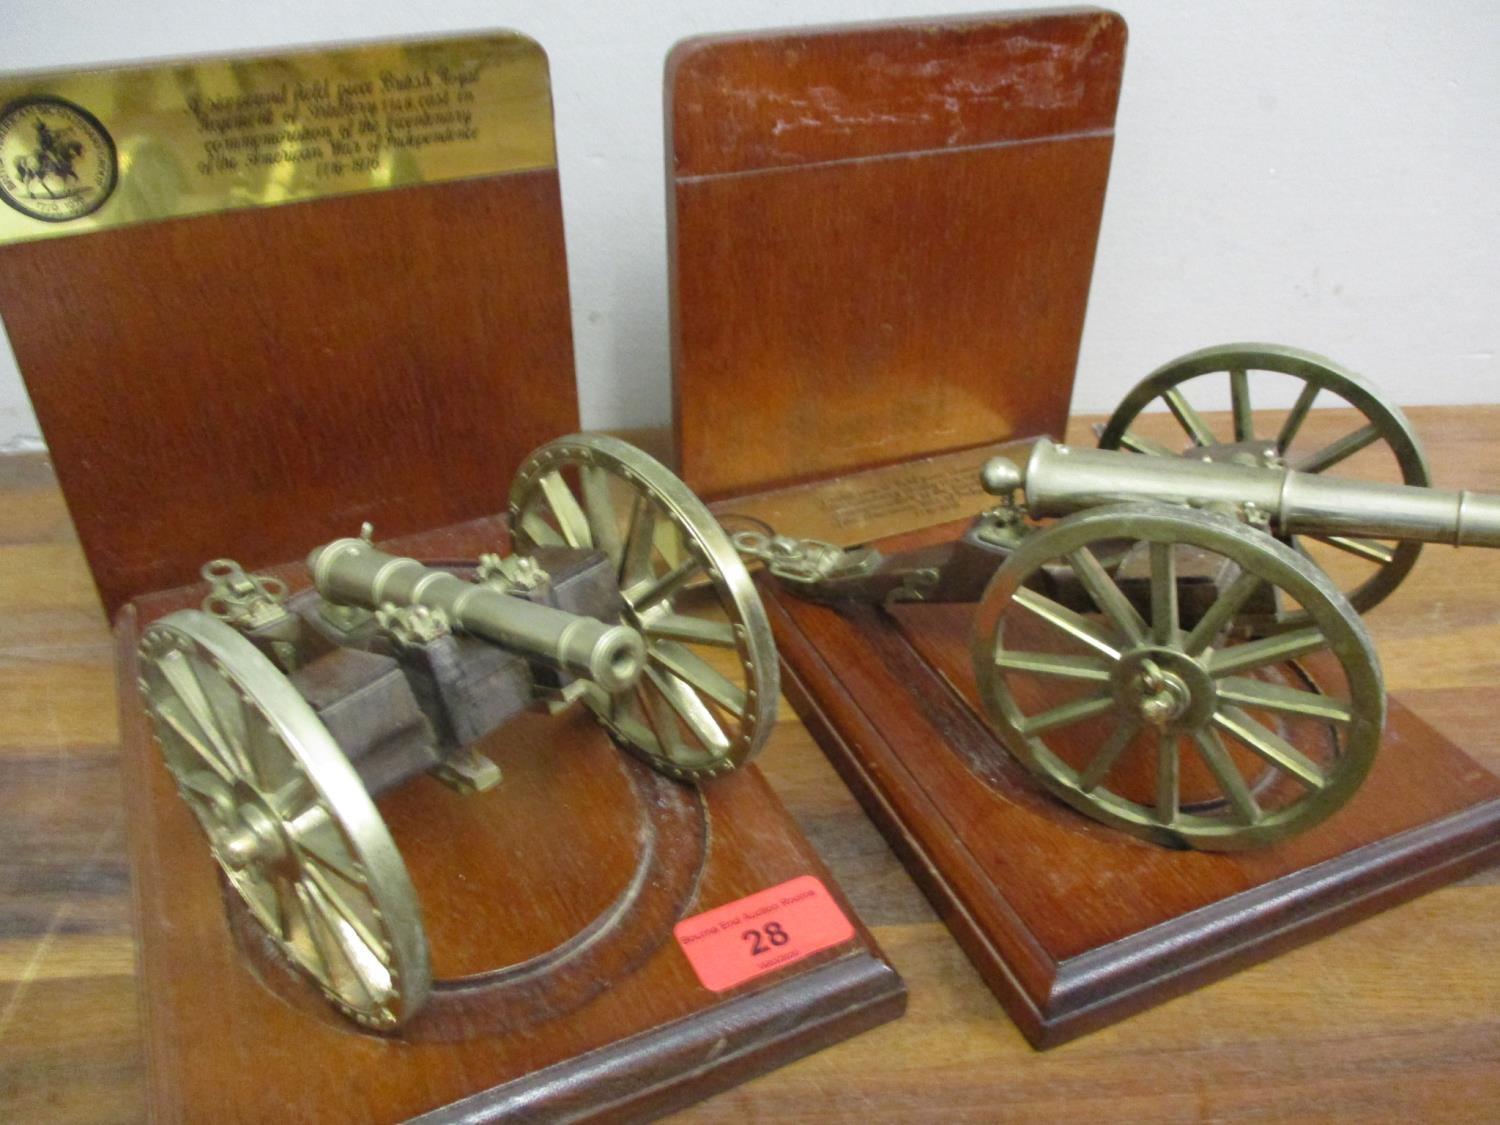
{"points": [[1104, 985], [1054, 1002], [140, 842], [1021, 1004], [648, 1075]]}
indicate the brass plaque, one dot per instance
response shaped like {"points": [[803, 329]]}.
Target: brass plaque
{"points": [[876, 503], [89, 150]]}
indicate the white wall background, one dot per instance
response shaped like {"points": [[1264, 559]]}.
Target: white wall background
{"points": [[1308, 171]]}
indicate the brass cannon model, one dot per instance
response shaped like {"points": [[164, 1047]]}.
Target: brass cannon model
{"points": [[281, 717], [1172, 655]]}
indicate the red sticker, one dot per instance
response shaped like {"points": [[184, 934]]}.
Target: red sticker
{"points": [[767, 930]]}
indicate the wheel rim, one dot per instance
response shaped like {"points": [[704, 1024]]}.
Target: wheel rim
{"points": [[1146, 691], [287, 817], [707, 699], [1386, 563]]}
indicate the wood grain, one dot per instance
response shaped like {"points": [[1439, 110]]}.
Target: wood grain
{"points": [[289, 372], [881, 238], [1394, 1019]]}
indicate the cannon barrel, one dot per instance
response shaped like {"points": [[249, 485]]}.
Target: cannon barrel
{"points": [[1059, 479], [352, 572]]}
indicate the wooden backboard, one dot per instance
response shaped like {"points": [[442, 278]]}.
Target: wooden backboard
{"points": [[882, 238], [262, 375]]}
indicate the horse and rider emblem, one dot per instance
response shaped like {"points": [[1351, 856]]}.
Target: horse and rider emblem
{"points": [[57, 162]]}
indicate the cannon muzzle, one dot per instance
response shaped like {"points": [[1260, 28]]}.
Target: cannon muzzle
{"points": [[1059, 479], [352, 572]]}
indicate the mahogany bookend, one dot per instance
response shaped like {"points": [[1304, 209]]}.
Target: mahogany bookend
{"points": [[883, 240], [549, 903], [882, 237]]}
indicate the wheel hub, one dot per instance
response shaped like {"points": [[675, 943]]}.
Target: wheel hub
{"points": [[251, 836], [1168, 689]]}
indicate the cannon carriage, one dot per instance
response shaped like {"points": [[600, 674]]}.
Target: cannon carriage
{"points": [[1169, 638], [282, 716]]}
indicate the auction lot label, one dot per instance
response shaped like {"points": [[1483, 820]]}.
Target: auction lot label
{"points": [[91, 150], [740, 941]]}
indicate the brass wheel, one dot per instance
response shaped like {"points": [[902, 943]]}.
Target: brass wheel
{"points": [[1369, 569], [287, 817], [707, 699], [1143, 710]]}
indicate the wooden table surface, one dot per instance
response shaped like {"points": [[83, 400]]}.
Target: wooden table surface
{"points": [[1396, 1018]]}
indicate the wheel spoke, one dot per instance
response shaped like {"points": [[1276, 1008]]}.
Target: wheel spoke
{"points": [[571, 521], [1063, 667], [267, 752], [314, 846], [1164, 615], [1231, 782], [1067, 714], [1107, 596], [292, 798], [1239, 394], [208, 784], [1294, 420], [694, 630], [1341, 450], [1138, 444], [1168, 763], [349, 912], [694, 714], [700, 675], [538, 530], [1291, 701], [339, 967], [1225, 606], [1267, 650], [184, 680], [661, 724], [1371, 550], [1270, 746], [640, 540], [173, 714], [289, 910], [1106, 757], [229, 719], [599, 510], [1188, 418], [1064, 619], [648, 593], [631, 720]]}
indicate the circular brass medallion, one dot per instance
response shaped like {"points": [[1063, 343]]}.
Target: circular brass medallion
{"points": [[57, 162]]}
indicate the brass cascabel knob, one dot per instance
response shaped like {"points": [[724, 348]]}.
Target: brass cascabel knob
{"points": [[1001, 476]]}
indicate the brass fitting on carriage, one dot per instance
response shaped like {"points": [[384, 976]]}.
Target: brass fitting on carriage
{"points": [[815, 569], [253, 604], [511, 574]]}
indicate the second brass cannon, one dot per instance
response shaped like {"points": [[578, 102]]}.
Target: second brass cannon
{"points": [[1156, 639]]}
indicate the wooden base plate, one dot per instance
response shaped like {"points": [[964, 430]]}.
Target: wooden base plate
{"points": [[549, 903], [1072, 924]]}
